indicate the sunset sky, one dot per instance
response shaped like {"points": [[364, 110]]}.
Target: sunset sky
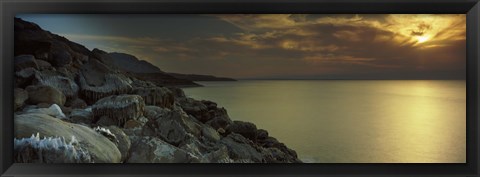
{"points": [[281, 46]]}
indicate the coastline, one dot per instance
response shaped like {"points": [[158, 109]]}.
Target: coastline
{"points": [[71, 106]]}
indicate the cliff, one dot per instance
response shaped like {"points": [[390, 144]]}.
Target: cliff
{"points": [[73, 106], [150, 72]]}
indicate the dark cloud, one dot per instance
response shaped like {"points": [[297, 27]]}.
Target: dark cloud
{"points": [[287, 46]]}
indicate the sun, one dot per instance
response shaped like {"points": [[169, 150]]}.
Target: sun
{"points": [[422, 39]]}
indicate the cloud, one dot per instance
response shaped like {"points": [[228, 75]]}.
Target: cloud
{"points": [[301, 44]]}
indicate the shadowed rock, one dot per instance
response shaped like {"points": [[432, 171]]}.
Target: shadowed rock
{"points": [[99, 147], [25, 61], [154, 150], [67, 86], [49, 150], [156, 96], [19, 97], [119, 108], [45, 94], [98, 81], [246, 129]]}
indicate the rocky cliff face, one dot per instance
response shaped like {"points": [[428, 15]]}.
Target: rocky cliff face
{"points": [[71, 106]]}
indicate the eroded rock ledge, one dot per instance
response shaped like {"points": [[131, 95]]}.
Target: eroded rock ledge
{"points": [[72, 107]]}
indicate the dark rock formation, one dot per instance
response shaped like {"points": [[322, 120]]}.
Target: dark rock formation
{"points": [[98, 81], [45, 94], [153, 150], [246, 129], [91, 110], [119, 108], [64, 84], [25, 61], [101, 149], [19, 97], [156, 96]]}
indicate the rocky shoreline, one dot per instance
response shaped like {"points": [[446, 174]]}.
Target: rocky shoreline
{"points": [[72, 107]]}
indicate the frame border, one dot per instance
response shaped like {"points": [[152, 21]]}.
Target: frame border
{"points": [[9, 8]]}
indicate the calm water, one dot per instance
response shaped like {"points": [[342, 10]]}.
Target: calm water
{"points": [[353, 121]]}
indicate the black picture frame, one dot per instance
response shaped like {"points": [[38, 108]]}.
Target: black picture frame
{"points": [[9, 8]]}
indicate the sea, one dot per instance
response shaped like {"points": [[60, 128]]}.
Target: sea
{"points": [[352, 121]]}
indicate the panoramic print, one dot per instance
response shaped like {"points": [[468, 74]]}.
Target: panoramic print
{"points": [[240, 88]]}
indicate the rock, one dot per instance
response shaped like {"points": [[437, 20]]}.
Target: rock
{"points": [[98, 81], [19, 97], [76, 103], [119, 108], [99, 147], [177, 92], [152, 111], [240, 149], [43, 65], [107, 133], [220, 119], [221, 131], [45, 94], [132, 124], [25, 61], [61, 58], [195, 108], [210, 133], [154, 150], [53, 110], [124, 143], [81, 116], [173, 126], [156, 96], [246, 129], [67, 86], [106, 121], [210, 104], [42, 55], [49, 150], [25, 77], [218, 156], [44, 105], [262, 134]]}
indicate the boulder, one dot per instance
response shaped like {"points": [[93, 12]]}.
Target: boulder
{"points": [[241, 149], [210, 133], [45, 94], [195, 108], [49, 150], [44, 65], [53, 110], [19, 97], [98, 81], [101, 149], [64, 84], [61, 58], [177, 92], [154, 150], [246, 129], [124, 143], [76, 103], [25, 77], [25, 61], [132, 124], [262, 134], [173, 126], [220, 119], [119, 108], [81, 116], [152, 111], [156, 96]]}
